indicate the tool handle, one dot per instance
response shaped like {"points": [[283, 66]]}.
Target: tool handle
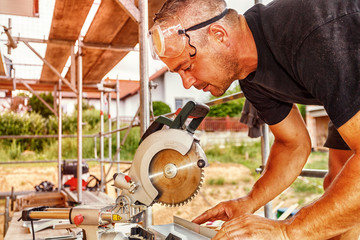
{"points": [[191, 109]]}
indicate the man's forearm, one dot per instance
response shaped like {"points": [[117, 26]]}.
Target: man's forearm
{"points": [[337, 211], [284, 165]]}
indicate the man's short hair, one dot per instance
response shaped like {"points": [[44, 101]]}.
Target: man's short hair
{"points": [[192, 12]]}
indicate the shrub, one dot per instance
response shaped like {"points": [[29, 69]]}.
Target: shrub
{"points": [[52, 125], [91, 117], [34, 124], [14, 150], [127, 151], [160, 108], [39, 107], [23, 124]]}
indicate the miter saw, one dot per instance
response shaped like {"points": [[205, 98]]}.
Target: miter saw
{"points": [[167, 169]]}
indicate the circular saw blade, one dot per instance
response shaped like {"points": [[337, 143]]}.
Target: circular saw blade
{"points": [[176, 177]]}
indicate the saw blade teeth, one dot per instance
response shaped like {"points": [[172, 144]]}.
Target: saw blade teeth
{"points": [[160, 161]]}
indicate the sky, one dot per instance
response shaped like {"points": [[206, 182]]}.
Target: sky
{"points": [[39, 27]]}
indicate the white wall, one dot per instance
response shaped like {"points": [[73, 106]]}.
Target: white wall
{"points": [[173, 89]]}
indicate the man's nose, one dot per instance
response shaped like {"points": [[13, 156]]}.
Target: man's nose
{"points": [[188, 81]]}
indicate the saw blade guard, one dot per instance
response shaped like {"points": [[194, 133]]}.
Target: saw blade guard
{"points": [[175, 139]]}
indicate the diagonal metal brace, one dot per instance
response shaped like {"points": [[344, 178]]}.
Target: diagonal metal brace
{"points": [[51, 67], [40, 98], [130, 8]]}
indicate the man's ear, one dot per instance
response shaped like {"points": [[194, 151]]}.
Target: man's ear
{"points": [[219, 33]]}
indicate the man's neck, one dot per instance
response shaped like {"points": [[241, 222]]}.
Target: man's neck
{"points": [[248, 59]]}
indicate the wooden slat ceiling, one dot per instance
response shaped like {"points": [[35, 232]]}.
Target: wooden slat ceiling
{"points": [[68, 19], [111, 25]]}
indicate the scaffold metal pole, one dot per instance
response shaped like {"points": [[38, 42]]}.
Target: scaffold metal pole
{"points": [[79, 126], [265, 151], [118, 127], [110, 135], [101, 139], [59, 138], [144, 81]]}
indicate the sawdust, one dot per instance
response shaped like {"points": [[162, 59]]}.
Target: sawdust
{"points": [[222, 182]]}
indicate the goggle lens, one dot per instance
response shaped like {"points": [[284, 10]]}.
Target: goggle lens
{"points": [[166, 42]]}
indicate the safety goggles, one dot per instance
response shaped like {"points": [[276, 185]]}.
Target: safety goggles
{"points": [[168, 38]]}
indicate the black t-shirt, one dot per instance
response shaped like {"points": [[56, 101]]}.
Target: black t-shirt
{"points": [[308, 53]]}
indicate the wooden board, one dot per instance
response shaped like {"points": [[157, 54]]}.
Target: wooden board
{"points": [[108, 21], [53, 199], [111, 25], [48, 87], [68, 19], [2, 66]]}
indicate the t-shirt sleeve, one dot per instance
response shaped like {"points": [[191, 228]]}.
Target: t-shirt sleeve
{"points": [[270, 110], [328, 64]]}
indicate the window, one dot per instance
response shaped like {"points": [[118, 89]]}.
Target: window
{"points": [[180, 102]]}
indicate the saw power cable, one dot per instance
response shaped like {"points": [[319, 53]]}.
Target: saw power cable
{"points": [[32, 229]]}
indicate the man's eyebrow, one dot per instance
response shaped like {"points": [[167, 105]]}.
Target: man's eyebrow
{"points": [[178, 66]]}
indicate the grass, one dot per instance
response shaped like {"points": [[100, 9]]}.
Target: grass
{"points": [[247, 154], [308, 185], [317, 160], [216, 181]]}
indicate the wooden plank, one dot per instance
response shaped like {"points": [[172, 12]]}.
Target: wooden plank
{"points": [[56, 55], [107, 22], [116, 28], [41, 199], [2, 66], [127, 36], [7, 85], [68, 19]]}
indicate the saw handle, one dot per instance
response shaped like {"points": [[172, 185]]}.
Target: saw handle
{"points": [[191, 109]]}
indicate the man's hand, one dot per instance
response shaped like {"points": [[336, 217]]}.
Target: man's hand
{"points": [[252, 227], [226, 210]]}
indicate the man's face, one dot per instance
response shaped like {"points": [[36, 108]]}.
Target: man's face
{"points": [[207, 71]]}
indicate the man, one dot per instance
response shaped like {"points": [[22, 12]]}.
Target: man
{"points": [[290, 51]]}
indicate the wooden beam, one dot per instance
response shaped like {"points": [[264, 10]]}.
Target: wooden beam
{"points": [[68, 19], [97, 63], [130, 8], [2, 66]]}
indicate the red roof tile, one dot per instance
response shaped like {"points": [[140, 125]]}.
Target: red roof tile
{"points": [[127, 87]]}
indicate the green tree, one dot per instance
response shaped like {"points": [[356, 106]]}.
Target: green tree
{"points": [[39, 107], [302, 109], [160, 108], [232, 108]]}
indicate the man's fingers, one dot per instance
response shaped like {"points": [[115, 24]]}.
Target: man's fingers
{"points": [[209, 215], [202, 218]]}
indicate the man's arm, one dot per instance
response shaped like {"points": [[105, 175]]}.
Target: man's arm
{"points": [[288, 155], [338, 209]]}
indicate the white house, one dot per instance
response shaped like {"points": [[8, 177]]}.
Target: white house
{"points": [[169, 89]]}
